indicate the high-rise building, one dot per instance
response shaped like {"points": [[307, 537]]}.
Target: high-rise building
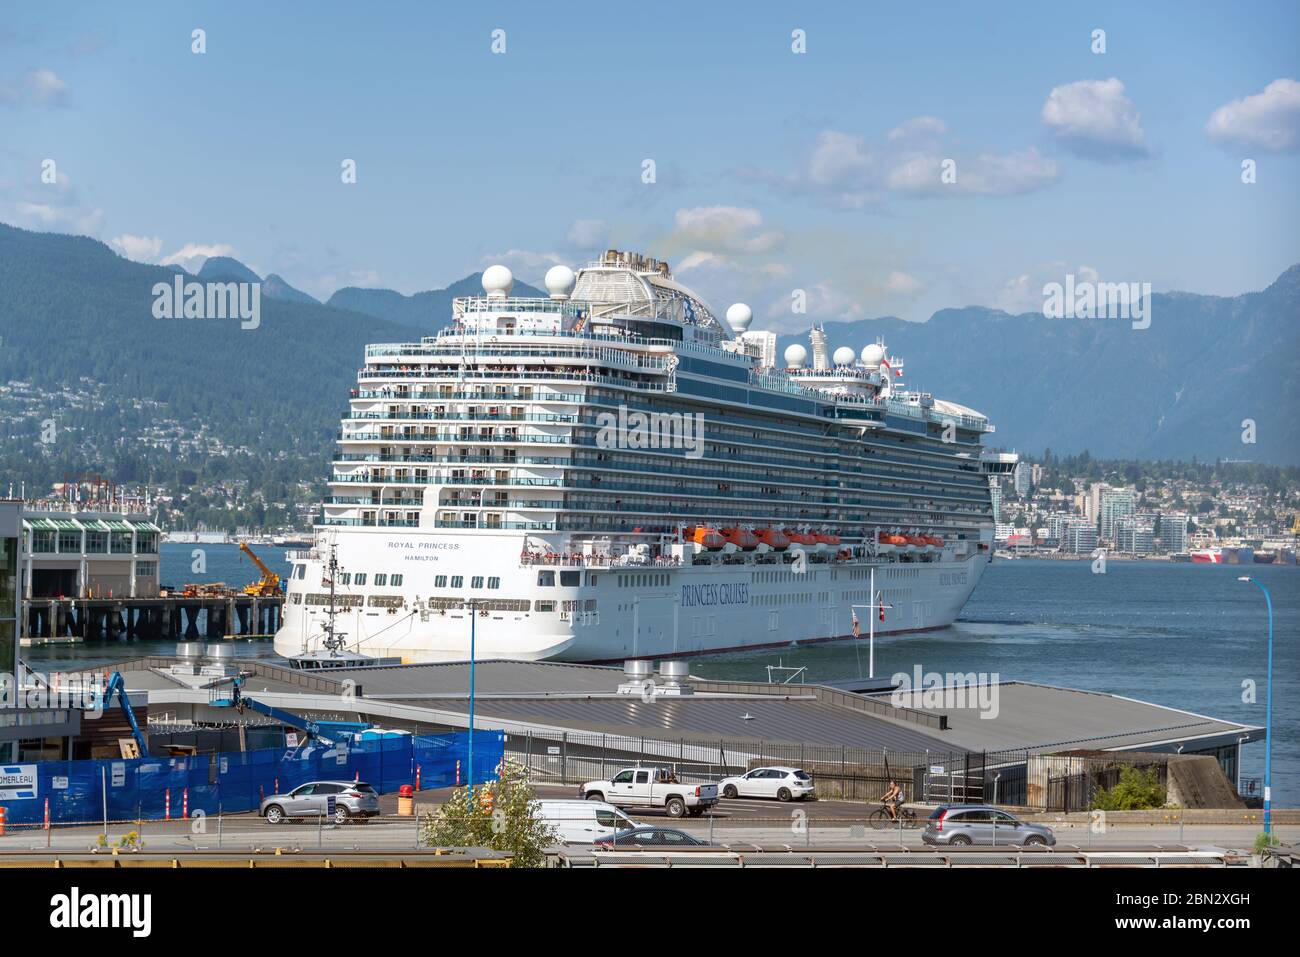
{"points": [[1024, 478], [1092, 507], [1115, 504], [1078, 537], [996, 492], [1135, 534], [762, 345], [1173, 531]]}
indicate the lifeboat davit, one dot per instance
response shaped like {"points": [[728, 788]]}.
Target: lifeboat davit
{"points": [[705, 537], [740, 537], [773, 538]]}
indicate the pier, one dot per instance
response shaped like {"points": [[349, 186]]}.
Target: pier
{"points": [[57, 620]]}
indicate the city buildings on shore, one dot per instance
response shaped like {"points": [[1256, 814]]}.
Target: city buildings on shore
{"points": [[1146, 519]]}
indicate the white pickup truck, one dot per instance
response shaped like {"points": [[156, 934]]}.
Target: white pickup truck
{"points": [[652, 787]]}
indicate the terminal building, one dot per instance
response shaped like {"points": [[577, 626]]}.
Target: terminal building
{"points": [[76, 554]]}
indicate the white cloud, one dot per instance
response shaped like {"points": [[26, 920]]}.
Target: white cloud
{"points": [[71, 215], [191, 256], [901, 284], [988, 174], [845, 172], [140, 248], [1094, 118], [1268, 120], [725, 229], [44, 88], [528, 265], [1024, 293], [40, 212], [917, 127]]}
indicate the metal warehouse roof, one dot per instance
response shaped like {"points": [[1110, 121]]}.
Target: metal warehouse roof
{"points": [[702, 719], [1039, 717], [492, 677]]}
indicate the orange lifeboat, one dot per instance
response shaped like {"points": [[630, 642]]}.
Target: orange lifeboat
{"points": [[935, 540], [827, 538], [799, 538], [916, 540], [893, 539], [740, 537], [773, 538], [705, 537]]}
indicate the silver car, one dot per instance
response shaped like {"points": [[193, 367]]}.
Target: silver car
{"points": [[966, 824], [353, 800]]}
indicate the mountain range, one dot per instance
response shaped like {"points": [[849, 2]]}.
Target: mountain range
{"points": [[73, 311], [1189, 385]]}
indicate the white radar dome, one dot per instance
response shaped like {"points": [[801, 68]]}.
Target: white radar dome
{"points": [[739, 316], [795, 355], [844, 356], [873, 355], [560, 281], [498, 281]]}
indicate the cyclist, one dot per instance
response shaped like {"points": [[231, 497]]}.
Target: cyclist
{"points": [[892, 798]]}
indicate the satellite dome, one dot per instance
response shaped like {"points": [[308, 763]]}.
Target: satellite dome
{"points": [[795, 356], [873, 355], [560, 281], [844, 356], [739, 316], [498, 281]]}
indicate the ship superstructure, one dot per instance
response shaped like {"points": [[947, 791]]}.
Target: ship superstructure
{"points": [[615, 472]]}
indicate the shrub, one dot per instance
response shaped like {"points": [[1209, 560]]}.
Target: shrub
{"points": [[1138, 789], [496, 815]]}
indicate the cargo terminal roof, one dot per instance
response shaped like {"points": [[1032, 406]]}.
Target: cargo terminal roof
{"points": [[550, 697]]}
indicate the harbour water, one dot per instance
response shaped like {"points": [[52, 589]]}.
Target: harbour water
{"points": [[1187, 636]]}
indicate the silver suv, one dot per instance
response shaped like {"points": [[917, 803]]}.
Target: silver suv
{"points": [[352, 800], [958, 824]]}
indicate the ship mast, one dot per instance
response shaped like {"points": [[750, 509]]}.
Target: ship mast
{"points": [[333, 641]]}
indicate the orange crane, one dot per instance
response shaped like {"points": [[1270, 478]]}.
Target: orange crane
{"points": [[269, 586]]}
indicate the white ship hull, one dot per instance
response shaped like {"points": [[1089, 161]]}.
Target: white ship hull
{"points": [[604, 613]]}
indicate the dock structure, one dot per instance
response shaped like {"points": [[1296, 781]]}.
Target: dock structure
{"points": [[54, 620]]}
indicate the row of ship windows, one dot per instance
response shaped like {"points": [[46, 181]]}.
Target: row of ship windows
{"points": [[382, 579], [442, 604]]}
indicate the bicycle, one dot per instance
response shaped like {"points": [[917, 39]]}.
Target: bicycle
{"points": [[880, 819]]}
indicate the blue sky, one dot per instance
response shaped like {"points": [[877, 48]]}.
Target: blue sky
{"points": [[775, 171]]}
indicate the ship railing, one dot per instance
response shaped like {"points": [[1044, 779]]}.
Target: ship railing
{"points": [[514, 375], [405, 394]]}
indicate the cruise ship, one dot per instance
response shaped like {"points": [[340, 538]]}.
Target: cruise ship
{"points": [[614, 472]]}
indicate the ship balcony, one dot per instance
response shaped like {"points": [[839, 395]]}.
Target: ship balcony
{"points": [[354, 415], [406, 393], [453, 438]]}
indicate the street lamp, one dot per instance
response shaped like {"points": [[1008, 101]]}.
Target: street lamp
{"points": [[1268, 708], [473, 616]]}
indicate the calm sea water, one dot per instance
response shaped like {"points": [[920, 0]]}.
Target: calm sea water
{"points": [[1185, 636]]}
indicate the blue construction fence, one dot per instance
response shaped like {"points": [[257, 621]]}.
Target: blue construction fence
{"points": [[156, 788]]}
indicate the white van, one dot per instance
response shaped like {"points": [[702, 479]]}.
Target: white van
{"points": [[582, 822]]}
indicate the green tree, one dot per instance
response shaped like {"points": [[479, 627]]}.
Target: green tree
{"points": [[495, 815]]}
